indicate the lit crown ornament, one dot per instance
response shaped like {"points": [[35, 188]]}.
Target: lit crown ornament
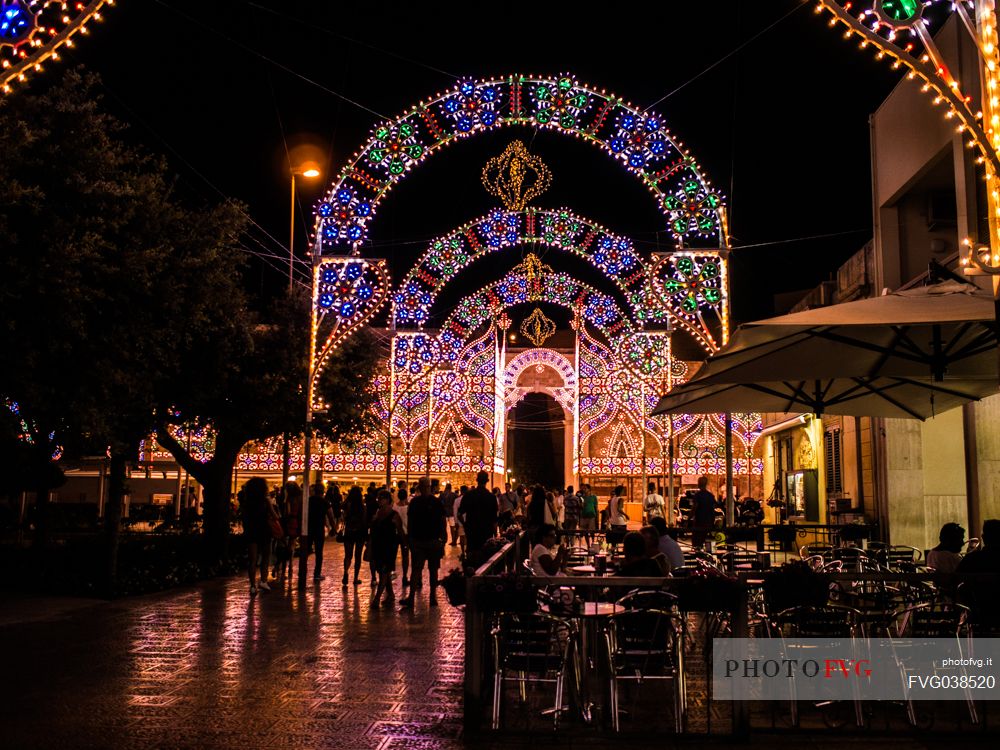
{"points": [[537, 327], [532, 269], [516, 177]]}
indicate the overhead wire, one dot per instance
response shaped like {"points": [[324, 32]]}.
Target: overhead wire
{"points": [[250, 50], [725, 57]]}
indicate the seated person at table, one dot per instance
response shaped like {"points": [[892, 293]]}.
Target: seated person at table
{"points": [[543, 562], [947, 555], [636, 563], [668, 545], [652, 538]]}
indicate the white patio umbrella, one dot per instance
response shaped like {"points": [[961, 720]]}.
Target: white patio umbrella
{"points": [[909, 354]]}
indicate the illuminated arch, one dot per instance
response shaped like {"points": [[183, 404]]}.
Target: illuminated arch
{"points": [[560, 229], [565, 395], [597, 308], [693, 209]]}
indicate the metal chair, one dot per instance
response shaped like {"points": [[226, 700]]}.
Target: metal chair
{"points": [[535, 647], [902, 558], [641, 599], [829, 622], [642, 645], [811, 550], [939, 620]]}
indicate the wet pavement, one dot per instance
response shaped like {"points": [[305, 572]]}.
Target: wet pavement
{"points": [[210, 667]]}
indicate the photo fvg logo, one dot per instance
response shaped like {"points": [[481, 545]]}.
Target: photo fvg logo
{"points": [[811, 668]]}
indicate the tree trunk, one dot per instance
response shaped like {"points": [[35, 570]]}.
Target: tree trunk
{"points": [[113, 520], [41, 514], [214, 477]]}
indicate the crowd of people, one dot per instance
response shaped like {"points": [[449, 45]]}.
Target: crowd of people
{"points": [[378, 526]]}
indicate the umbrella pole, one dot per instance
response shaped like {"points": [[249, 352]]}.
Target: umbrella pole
{"points": [[670, 471], [730, 500]]}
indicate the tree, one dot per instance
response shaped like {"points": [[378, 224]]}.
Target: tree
{"points": [[257, 391], [112, 287]]}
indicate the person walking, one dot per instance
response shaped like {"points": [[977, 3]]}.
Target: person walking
{"points": [[371, 507], [535, 514], [428, 533], [291, 522], [401, 506], [320, 514], [355, 532], [572, 505], [588, 514], [254, 513], [478, 514], [508, 506], [448, 503], [653, 505], [457, 527], [617, 518], [704, 512], [386, 537], [336, 501]]}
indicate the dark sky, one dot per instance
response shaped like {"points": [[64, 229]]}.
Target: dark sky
{"points": [[780, 127]]}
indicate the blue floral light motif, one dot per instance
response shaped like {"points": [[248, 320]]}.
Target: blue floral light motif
{"points": [[615, 255], [415, 353], [342, 288], [412, 304], [599, 310], [343, 217], [17, 22], [639, 141], [472, 107], [500, 228]]}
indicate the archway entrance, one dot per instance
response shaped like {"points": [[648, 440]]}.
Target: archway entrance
{"points": [[536, 441]]}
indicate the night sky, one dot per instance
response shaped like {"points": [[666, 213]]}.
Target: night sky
{"points": [[780, 127]]}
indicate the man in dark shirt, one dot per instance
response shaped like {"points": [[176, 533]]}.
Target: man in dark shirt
{"points": [[636, 563], [427, 532], [478, 514], [319, 515], [704, 512], [572, 505]]}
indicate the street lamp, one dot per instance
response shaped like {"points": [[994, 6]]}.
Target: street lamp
{"points": [[309, 171]]}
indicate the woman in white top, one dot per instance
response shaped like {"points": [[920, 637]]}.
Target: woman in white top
{"points": [[543, 562], [616, 509]]}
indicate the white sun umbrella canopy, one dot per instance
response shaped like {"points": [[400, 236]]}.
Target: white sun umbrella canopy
{"points": [[910, 354], [944, 330]]}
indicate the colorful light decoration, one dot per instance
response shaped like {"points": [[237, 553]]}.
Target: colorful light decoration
{"points": [[516, 177], [637, 139], [559, 229], [513, 289], [347, 292], [28, 432], [648, 357], [898, 31], [693, 287], [33, 31], [537, 327]]}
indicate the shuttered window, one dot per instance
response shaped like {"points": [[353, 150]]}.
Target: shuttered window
{"points": [[834, 471]]}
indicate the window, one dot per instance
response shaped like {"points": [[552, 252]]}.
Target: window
{"points": [[834, 471]]}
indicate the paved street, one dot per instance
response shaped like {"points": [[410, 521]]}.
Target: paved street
{"points": [[209, 667]]}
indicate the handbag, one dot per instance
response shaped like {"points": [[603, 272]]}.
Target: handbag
{"points": [[275, 525]]}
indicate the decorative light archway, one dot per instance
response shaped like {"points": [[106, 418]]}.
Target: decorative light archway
{"points": [[565, 395], [693, 209], [597, 308]]}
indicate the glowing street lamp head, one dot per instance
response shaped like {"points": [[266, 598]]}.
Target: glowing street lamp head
{"points": [[311, 173]]}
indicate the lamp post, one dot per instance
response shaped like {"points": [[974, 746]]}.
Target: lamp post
{"points": [[308, 171]]}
